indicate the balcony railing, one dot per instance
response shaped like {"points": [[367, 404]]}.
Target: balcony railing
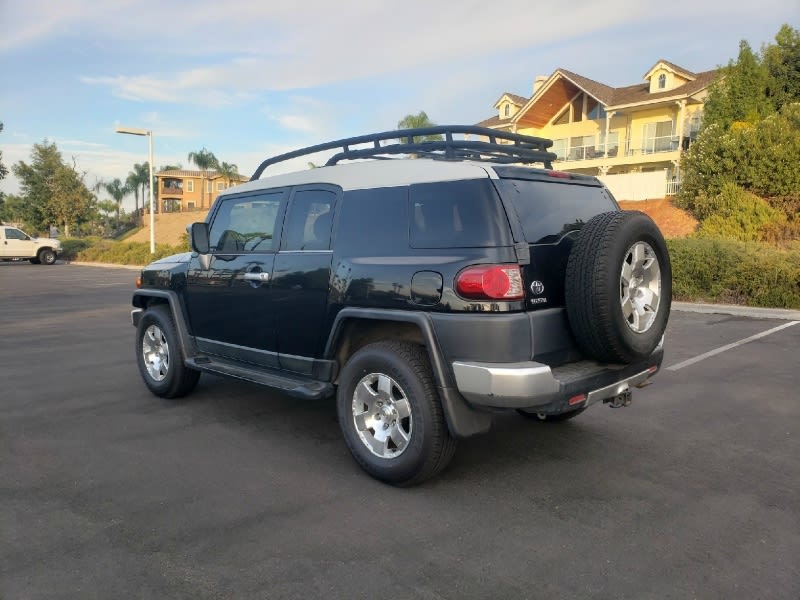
{"points": [[171, 191], [655, 145], [673, 187], [588, 152]]}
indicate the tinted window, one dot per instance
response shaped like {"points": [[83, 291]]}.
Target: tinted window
{"points": [[14, 234], [308, 224], [246, 224], [457, 214], [548, 210], [373, 222]]}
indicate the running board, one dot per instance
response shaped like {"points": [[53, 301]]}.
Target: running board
{"points": [[295, 386]]}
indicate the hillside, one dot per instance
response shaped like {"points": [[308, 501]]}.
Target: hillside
{"points": [[672, 221]]}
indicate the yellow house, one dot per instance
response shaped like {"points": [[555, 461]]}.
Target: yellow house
{"points": [[602, 130], [182, 190]]}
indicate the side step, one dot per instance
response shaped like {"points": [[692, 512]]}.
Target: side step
{"points": [[292, 385]]}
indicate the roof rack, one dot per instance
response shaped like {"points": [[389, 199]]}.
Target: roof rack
{"points": [[517, 149]]}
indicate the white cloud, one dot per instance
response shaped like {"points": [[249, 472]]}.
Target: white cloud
{"points": [[296, 123], [273, 46]]}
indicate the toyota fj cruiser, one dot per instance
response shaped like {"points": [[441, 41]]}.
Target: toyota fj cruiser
{"points": [[426, 291]]}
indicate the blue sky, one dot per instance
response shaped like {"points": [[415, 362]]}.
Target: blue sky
{"points": [[249, 79]]}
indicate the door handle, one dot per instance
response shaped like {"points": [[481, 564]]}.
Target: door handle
{"points": [[259, 277]]}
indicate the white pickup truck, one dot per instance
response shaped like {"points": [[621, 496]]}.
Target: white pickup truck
{"points": [[16, 244]]}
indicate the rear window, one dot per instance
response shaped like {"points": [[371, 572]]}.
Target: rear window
{"points": [[549, 210], [457, 214]]}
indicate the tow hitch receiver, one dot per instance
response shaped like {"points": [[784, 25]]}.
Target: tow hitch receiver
{"points": [[620, 400]]}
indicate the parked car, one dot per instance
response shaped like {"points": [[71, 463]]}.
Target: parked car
{"points": [[16, 244], [425, 293]]}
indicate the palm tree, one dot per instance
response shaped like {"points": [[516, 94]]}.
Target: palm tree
{"points": [[228, 171], [140, 176], [415, 122], [204, 159], [117, 191]]}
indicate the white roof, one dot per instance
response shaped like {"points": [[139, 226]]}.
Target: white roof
{"points": [[374, 174]]}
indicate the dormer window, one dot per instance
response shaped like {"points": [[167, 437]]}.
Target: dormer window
{"points": [[662, 81], [506, 110]]}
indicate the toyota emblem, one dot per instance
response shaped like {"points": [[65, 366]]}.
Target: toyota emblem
{"points": [[537, 287]]}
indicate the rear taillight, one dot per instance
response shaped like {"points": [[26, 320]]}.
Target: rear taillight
{"points": [[490, 282], [559, 174]]}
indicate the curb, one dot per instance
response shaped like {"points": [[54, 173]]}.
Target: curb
{"points": [[106, 265], [739, 311]]}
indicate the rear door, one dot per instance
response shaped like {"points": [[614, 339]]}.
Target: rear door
{"points": [[302, 275], [551, 211]]}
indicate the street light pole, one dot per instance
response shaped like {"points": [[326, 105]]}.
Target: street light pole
{"points": [[149, 134]]}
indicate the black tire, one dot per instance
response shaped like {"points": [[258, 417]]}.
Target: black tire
{"points": [[47, 257], [429, 447], [35, 261], [597, 297], [559, 418], [156, 337]]}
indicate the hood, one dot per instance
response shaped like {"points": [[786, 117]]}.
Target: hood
{"points": [[175, 259]]}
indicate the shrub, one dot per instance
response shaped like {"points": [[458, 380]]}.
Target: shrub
{"points": [[735, 214], [71, 247], [126, 253], [753, 273]]}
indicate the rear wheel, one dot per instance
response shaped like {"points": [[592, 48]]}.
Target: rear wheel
{"points": [[159, 355], [390, 414]]}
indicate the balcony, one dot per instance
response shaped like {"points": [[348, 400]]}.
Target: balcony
{"points": [[655, 145]]}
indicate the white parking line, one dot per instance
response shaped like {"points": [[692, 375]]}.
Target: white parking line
{"points": [[726, 347]]}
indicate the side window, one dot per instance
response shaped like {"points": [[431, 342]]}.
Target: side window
{"points": [[14, 234], [308, 224], [373, 221], [457, 214], [247, 224]]}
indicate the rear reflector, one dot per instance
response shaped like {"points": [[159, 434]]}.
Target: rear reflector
{"points": [[576, 399], [490, 282]]}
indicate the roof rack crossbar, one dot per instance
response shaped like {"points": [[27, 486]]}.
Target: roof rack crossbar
{"points": [[519, 148]]}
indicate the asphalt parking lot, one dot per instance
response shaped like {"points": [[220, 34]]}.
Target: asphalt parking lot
{"points": [[108, 492]]}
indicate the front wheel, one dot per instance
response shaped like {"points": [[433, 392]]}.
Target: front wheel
{"points": [[390, 414], [47, 257], [160, 357]]}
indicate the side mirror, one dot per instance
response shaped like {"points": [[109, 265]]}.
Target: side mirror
{"points": [[199, 237]]}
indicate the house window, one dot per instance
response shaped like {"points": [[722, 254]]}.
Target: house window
{"points": [[506, 110], [657, 137], [220, 186], [560, 148], [563, 118], [595, 110], [190, 186], [613, 142], [662, 81]]}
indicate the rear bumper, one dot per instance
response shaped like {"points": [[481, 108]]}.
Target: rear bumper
{"points": [[530, 385]]}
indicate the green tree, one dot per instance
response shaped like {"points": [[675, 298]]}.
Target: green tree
{"points": [[415, 122], [228, 171], [139, 177], [117, 190], [740, 92], [782, 61], [205, 160], [3, 169], [54, 192]]}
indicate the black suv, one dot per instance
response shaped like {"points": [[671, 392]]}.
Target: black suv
{"points": [[426, 288]]}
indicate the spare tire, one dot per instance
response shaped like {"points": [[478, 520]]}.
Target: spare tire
{"points": [[618, 287]]}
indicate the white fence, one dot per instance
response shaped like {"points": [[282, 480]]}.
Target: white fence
{"points": [[637, 186]]}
